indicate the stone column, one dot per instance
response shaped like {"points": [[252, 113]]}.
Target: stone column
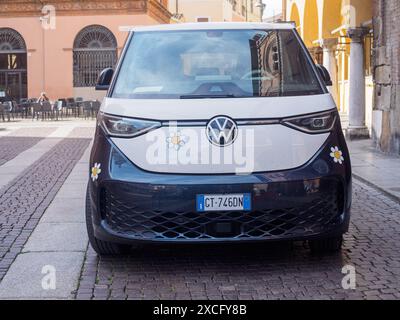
{"points": [[329, 58], [357, 128]]}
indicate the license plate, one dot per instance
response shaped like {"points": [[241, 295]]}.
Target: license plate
{"points": [[223, 202]]}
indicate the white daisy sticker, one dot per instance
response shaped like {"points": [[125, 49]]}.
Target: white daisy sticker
{"points": [[337, 155], [95, 171], [176, 140]]}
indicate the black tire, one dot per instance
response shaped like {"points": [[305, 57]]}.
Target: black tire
{"points": [[103, 248], [326, 245]]}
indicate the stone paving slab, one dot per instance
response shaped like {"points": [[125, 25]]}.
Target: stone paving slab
{"points": [[375, 168], [65, 211], [58, 237], [74, 190], [24, 281]]}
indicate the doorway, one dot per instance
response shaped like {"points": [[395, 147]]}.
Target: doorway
{"points": [[14, 84], [13, 65]]}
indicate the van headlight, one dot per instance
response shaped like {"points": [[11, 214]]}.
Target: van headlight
{"points": [[122, 127], [315, 123]]}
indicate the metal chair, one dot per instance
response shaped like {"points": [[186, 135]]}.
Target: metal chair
{"points": [[58, 109], [16, 110], [47, 110], [95, 108], [24, 108], [3, 112], [71, 106], [6, 110], [79, 105], [87, 109], [36, 110]]}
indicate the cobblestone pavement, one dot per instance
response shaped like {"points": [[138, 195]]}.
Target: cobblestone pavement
{"points": [[21, 140], [273, 271], [24, 199]]}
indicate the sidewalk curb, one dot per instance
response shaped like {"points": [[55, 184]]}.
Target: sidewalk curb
{"points": [[370, 184]]}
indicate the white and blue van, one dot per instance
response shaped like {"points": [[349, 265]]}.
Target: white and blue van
{"points": [[217, 132]]}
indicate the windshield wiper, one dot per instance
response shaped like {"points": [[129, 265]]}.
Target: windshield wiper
{"points": [[206, 96]]}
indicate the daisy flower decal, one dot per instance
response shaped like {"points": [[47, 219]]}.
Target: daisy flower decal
{"points": [[337, 155], [176, 140], [95, 171]]}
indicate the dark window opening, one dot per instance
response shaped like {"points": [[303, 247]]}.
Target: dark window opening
{"points": [[95, 48]]}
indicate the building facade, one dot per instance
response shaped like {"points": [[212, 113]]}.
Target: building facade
{"points": [[339, 34], [60, 48], [216, 10], [275, 18], [386, 130]]}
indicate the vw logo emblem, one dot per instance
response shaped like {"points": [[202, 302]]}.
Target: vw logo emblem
{"points": [[221, 131]]}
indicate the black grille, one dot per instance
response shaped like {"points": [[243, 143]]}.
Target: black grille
{"points": [[311, 218]]}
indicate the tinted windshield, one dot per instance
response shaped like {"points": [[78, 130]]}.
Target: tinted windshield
{"points": [[215, 63]]}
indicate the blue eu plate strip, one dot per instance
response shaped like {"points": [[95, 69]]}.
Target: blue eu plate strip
{"points": [[200, 203], [247, 202]]}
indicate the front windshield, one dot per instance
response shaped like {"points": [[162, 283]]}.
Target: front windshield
{"points": [[215, 64]]}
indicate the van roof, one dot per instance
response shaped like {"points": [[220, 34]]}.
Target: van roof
{"points": [[209, 25]]}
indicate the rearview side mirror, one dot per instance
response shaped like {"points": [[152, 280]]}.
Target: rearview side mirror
{"points": [[104, 79], [324, 75]]}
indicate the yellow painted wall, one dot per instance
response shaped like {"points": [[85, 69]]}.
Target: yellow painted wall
{"points": [[329, 21], [310, 30]]}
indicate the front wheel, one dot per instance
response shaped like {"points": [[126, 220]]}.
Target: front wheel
{"points": [[326, 245], [102, 248]]}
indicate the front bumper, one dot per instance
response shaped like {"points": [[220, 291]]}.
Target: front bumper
{"points": [[131, 205]]}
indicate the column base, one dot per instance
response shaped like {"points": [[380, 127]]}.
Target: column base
{"points": [[357, 133]]}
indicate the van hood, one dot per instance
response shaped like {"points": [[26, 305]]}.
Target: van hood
{"points": [[187, 149], [204, 109]]}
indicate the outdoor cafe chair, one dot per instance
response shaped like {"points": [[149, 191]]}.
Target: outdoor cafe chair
{"points": [[36, 110], [95, 108], [72, 107], [24, 108], [79, 105], [16, 110], [6, 110], [87, 109], [58, 109], [3, 112], [47, 110]]}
